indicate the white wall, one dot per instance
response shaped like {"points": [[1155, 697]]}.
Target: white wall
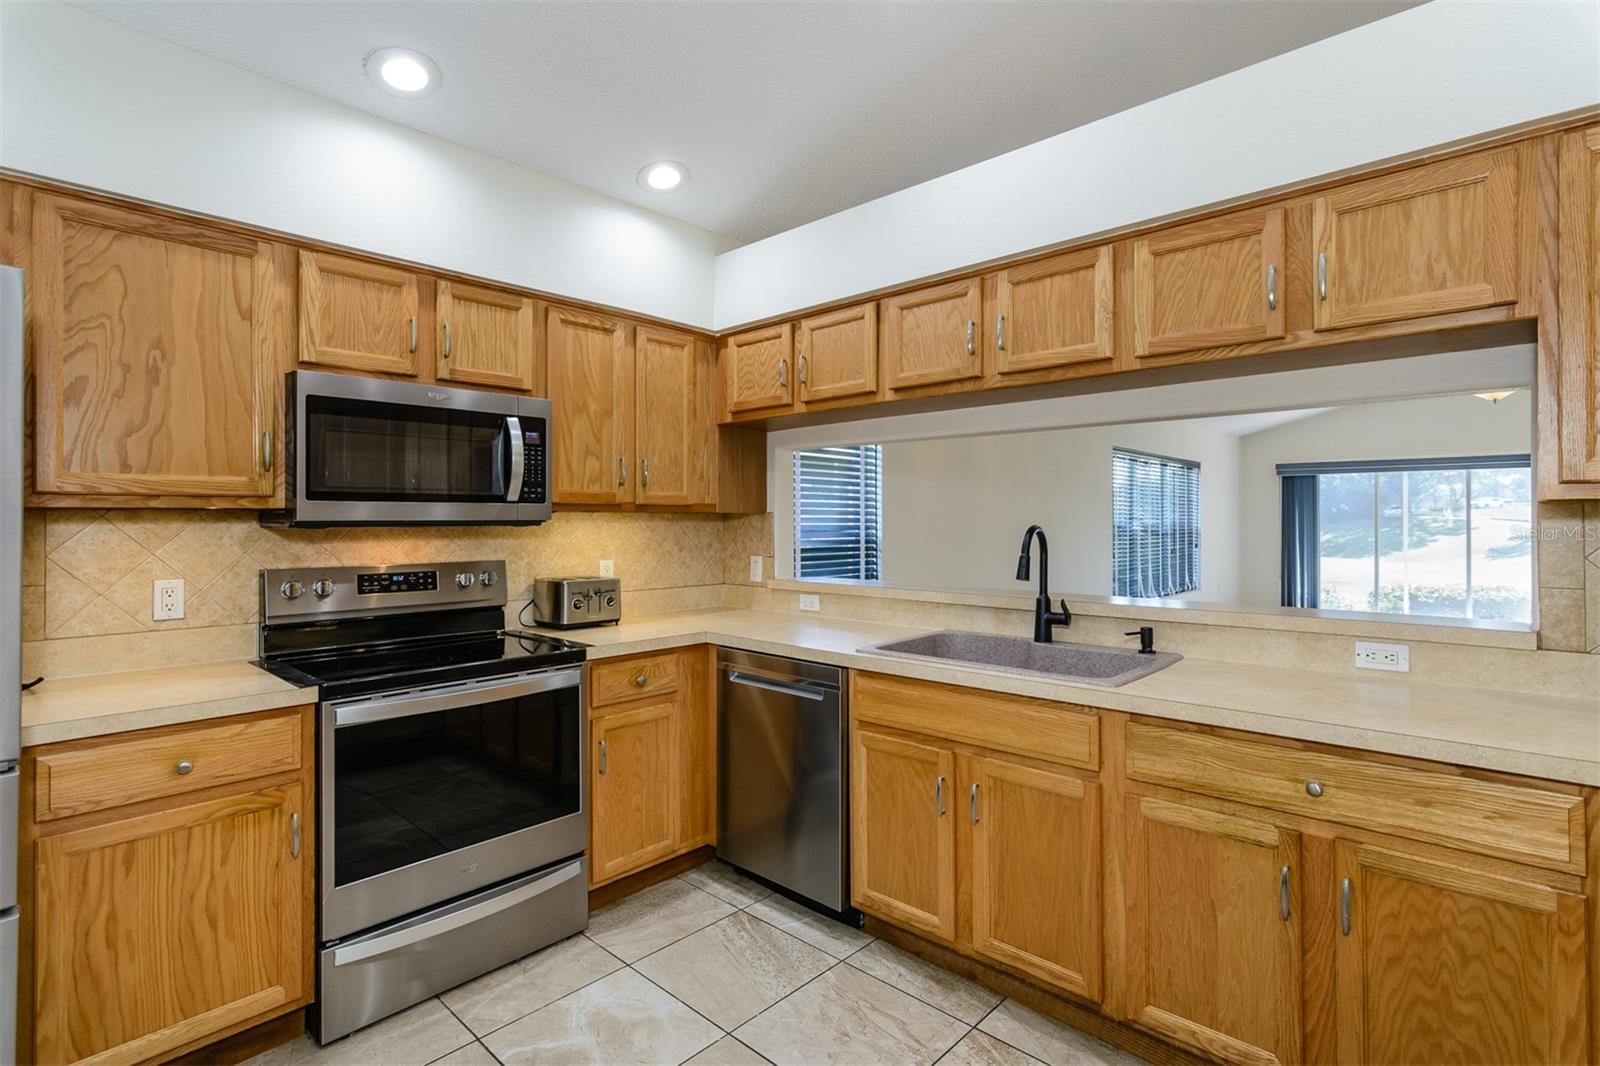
{"points": [[1427, 76], [87, 101], [1410, 429]]}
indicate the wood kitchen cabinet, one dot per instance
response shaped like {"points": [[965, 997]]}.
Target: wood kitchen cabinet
{"points": [[1051, 313], [757, 368], [590, 366], [902, 829], [1209, 284], [670, 426], [930, 335], [159, 347], [487, 337], [358, 315], [179, 911], [837, 354], [1577, 384]]}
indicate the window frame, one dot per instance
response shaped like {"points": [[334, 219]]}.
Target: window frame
{"points": [[868, 521]]}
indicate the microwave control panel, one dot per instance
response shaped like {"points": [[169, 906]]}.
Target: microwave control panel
{"points": [[533, 459]]}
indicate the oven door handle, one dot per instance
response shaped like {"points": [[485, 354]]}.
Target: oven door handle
{"points": [[447, 697], [444, 923], [514, 449]]}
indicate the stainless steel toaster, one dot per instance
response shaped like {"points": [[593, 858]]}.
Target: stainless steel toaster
{"points": [[569, 602]]}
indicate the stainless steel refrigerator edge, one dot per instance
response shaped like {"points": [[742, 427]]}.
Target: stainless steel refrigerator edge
{"points": [[11, 645], [781, 781]]}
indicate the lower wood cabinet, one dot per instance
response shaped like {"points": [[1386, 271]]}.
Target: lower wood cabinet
{"points": [[163, 924], [902, 835]]}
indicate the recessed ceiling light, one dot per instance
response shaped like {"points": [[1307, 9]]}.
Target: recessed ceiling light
{"points": [[663, 176], [1496, 396], [403, 72]]}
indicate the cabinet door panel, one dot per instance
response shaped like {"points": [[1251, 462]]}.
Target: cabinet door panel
{"points": [[903, 839], [1449, 964], [1427, 241], [1209, 285], [635, 789], [1579, 279], [488, 337], [356, 315], [591, 397], [157, 930], [838, 353], [1036, 872], [930, 336], [670, 430], [1056, 312], [159, 347], [759, 365], [1213, 961]]}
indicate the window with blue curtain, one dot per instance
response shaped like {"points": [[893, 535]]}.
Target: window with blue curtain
{"points": [[1155, 524], [838, 511]]}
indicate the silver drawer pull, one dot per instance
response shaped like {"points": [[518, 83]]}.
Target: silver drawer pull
{"points": [[622, 470], [1314, 789], [1322, 275], [972, 337], [1283, 892], [641, 679], [1272, 286], [602, 756], [294, 835], [938, 794], [644, 472], [1344, 906], [783, 373], [413, 333], [972, 803], [1000, 332], [447, 340], [184, 767]]}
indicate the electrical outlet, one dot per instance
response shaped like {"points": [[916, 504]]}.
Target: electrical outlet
{"points": [[607, 568], [810, 601], [1396, 657], [755, 569], [166, 600]]}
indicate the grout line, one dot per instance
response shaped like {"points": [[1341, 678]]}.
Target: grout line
{"points": [[720, 1030], [913, 995], [459, 1022], [620, 967], [786, 998], [946, 1053]]}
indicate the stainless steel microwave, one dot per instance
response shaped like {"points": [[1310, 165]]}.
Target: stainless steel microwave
{"points": [[367, 451]]}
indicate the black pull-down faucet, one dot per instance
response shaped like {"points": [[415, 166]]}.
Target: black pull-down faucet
{"points": [[1044, 619]]}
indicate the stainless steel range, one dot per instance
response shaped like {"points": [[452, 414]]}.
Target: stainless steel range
{"points": [[450, 752]]}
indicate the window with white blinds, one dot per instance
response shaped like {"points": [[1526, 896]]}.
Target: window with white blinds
{"points": [[838, 511], [1155, 525]]}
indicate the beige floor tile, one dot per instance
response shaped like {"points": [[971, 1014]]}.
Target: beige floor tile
{"points": [[726, 883], [727, 1052], [932, 984], [474, 1054], [1049, 1040], [735, 969], [413, 1037], [617, 1020], [846, 1016], [834, 937], [981, 1049], [506, 994], [650, 920]]}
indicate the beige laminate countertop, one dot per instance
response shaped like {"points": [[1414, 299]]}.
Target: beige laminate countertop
{"points": [[1552, 737]]}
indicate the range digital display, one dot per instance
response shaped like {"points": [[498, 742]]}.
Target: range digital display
{"points": [[398, 581]]}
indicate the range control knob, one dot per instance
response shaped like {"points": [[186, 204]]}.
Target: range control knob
{"points": [[292, 590], [487, 578], [465, 580], [323, 588], [577, 603], [611, 599]]}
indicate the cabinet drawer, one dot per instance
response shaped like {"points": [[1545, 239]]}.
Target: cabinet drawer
{"points": [[95, 775], [1057, 732], [1524, 822], [618, 680]]}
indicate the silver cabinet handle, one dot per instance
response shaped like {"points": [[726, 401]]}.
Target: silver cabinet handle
{"points": [[1344, 906], [783, 373], [644, 472], [1322, 275], [622, 470], [266, 451], [1000, 332], [185, 767], [602, 756], [294, 835], [972, 335], [447, 340], [641, 679], [972, 803], [1314, 789], [1272, 286], [803, 380], [1283, 892], [938, 794], [413, 333]]}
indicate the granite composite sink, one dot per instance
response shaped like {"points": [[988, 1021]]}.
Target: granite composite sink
{"points": [[1086, 664]]}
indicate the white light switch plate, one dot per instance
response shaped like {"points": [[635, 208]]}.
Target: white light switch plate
{"points": [[755, 569], [1396, 657], [810, 602], [607, 568], [166, 600]]}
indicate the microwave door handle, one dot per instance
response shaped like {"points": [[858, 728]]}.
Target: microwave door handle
{"points": [[514, 447]]}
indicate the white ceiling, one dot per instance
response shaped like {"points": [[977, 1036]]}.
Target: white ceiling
{"points": [[784, 112]]}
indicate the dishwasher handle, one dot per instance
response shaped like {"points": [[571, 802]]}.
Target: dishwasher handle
{"points": [[803, 692]]}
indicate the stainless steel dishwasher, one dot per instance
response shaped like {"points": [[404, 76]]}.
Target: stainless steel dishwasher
{"points": [[781, 781]]}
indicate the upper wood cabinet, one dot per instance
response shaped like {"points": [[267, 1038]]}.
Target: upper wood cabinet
{"points": [[1210, 284], [1445, 963], [930, 336], [1213, 925], [757, 367], [591, 374], [487, 337], [1052, 313], [356, 315], [1578, 381], [1425, 241], [902, 847], [837, 353], [635, 788], [670, 426], [159, 350]]}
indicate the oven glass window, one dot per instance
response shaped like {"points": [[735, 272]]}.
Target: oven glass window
{"points": [[408, 789], [364, 450]]}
